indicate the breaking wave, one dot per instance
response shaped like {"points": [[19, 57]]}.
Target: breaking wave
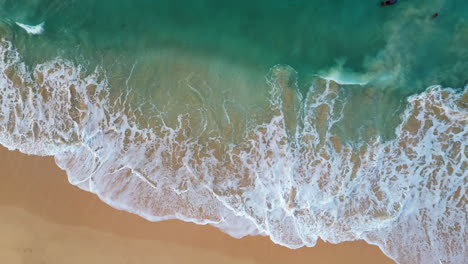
{"points": [[292, 181], [33, 30]]}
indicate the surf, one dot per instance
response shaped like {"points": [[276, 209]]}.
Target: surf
{"points": [[294, 188]]}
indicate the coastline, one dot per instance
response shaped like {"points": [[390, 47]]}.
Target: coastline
{"points": [[47, 219]]}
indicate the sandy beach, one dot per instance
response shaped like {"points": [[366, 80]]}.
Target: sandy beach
{"points": [[44, 219]]}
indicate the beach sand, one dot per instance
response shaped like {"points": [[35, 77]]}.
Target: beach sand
{"points": [[45, 220]]}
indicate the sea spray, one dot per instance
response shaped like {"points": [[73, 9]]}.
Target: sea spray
{"points": [[291, 178]]}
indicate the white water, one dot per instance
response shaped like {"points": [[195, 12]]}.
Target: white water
{"points": [[33, 30], [408, 195]]}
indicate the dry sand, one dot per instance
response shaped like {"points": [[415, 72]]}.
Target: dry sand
{"points": [[45, 220]]}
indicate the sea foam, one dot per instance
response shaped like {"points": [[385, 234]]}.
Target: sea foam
{"points": [[406, 195]]}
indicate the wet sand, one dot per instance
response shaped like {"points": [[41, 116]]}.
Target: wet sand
{"points": [[45, 220]]}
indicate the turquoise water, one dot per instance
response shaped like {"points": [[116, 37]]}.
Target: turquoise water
{"points": [[293, 119], [398, 50]]}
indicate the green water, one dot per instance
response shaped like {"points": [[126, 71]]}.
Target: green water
{"points": [[225, 49]]}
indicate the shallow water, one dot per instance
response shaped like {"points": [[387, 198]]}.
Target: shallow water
{"points": [[293, 119]]}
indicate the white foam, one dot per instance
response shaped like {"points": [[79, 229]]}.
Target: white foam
{"points": [[343, 76], [33, 30], [405, 195]]}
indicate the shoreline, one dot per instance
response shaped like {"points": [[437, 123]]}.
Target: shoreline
{"points": [[37, 203]]}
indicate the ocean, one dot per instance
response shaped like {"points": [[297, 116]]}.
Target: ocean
{"points": [[292, 119]]}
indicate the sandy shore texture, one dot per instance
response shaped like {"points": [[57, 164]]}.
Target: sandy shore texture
{"points": [[45, 220]]}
